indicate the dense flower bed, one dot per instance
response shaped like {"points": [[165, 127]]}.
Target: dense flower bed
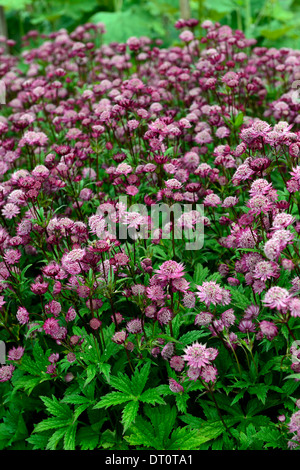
{"points": [[122, 332]]}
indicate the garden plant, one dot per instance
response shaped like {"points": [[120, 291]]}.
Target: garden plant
{"points": [[149, 242]]}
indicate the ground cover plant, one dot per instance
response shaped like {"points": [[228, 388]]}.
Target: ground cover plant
{"points": [[126, 328]]}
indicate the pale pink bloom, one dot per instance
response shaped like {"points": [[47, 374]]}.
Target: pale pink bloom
{"points": [[277, 297], [211, 292]]}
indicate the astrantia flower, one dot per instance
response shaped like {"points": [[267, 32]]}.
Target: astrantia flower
{"points": [[15, 354], [177, 363], [155, 293], [51, 326], [277, 297], [212, 200], [294, 307], [22, 316], [294, 424], [209, 374], [167, 351], [228, 317], [211, 292], [10, 210], [246, 326], [282, 220], [164, 315], [268, 329], [119, 337], [189, 300], [266, 270], [6, 372], [197, 355], [203, 318], [170, 270], [175, 386], [134, 326]]}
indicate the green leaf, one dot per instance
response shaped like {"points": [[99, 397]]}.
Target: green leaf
{"points": [[38, 441], [190, 337], [55, 438], [50, 423], [152, 396], [113, 398], [87, 438], [70, 437], [129, 414], [238, 299], [142, 433], [75, 399], [122, 383], [140, 378], [53, 406], [238, 121], [260, 390], [200, 274], [162, 419]]}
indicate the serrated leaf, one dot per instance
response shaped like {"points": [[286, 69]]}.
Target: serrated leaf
{"points": [[75, 399], [53, 406], [152, 396], [260, 390], [129, 414], [50, 423], [87, 438], [39, 441], [70, 437], [140, 378], [122, 383], [181, 402], [55, 438], [190, 337], [142, 433], [162, 419], [113, 398]]}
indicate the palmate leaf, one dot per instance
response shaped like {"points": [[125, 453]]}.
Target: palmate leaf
{"points": [[143, 433], [162, 419], [56, 408], [122, 383], [152, 396]]}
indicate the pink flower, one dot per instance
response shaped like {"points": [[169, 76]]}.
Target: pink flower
{"points": [[211, 292], [177, 363], [170, 270], [10, 210], [197, 355], [268, 329], [51, 326], [6, 372], [15, 354], [175, 386], [22, 316], [277, 297], [266, 270]]}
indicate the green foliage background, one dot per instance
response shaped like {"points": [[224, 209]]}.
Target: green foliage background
{"points": [[274, 23]]}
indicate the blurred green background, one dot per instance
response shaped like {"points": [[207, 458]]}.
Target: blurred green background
{"points": [[272, 22]]}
